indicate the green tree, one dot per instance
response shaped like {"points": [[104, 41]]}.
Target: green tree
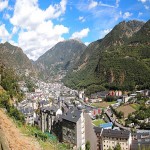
{"points": [[110, 98], [4, 100], [87, 145], [120, 114], [117, 147], [97, 116]]}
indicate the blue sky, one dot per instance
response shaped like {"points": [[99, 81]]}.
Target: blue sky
{"points": [[37, 25]]}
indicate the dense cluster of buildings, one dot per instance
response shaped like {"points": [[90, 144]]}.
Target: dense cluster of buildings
{"points": [[61, 111], [75, 127]]}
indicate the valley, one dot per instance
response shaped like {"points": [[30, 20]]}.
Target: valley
{"points": [[76, 96]]}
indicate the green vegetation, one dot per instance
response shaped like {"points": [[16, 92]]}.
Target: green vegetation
{"points": [[93, 89], [113, 102], [87, 145], [111, 99], [118, 114], [9, 82], [13, 57], [11, 110], [141, 99], [117, 147], [114, 63], [30, 85], [46, 140], [103, 104], [98, 122], [141, 114], [97, 105], [61, 57], [11, 90], [135, 106]]}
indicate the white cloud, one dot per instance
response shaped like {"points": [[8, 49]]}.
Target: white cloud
{"points": [[81, 34], [105, 5], [104, 32], [143, 1], [36, 42], [140, 14], [81, 18], [6, 16], [28, 15], [3, 4], [13, 42], [4, 34], [92, 4], [37, 33], [14, 30], [146, 7], [117, 3], [127, 15], [87, 43]]}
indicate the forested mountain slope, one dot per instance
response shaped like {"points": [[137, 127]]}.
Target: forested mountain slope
{"points": [[60, 58], [121, 60]]}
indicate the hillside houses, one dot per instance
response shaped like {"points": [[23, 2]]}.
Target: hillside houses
{"points": [[61, 111], [73, 128]]}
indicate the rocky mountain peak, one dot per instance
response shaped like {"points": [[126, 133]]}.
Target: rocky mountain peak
{"points": [[13, 57], [61, 57]]}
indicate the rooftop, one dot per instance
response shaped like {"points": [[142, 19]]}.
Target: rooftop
{"points": [[115, 134], [106, 125], [72, 115]]}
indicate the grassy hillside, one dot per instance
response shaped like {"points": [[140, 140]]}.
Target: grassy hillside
{"points": [[24, 136]]}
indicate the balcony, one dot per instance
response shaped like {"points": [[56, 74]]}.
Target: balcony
{"points": [[82, 125], [82, 131], [83, 137]]}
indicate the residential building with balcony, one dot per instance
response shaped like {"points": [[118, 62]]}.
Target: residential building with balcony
{"points": [[73, 128], [107, 138]]}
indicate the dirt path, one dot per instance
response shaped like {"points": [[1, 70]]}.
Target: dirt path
{"points": [[13, 136]]}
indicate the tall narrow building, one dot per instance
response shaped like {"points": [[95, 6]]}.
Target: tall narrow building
{"points": [[73, 128]]}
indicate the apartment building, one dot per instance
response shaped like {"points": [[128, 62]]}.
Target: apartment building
{"points": [[47, 117], [141, 140], [107, 138], [73, 128], [98, 132]]}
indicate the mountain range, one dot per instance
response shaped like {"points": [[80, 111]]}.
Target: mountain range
{"points": [[13, 57], [60, 58], [121, 60]]}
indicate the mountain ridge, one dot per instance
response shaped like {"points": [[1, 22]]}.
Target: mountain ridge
{"points": [[14, 57], [61, 57], [113, 65]]}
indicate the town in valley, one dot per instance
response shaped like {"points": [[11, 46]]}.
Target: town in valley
{"points": [[103, 119]]}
